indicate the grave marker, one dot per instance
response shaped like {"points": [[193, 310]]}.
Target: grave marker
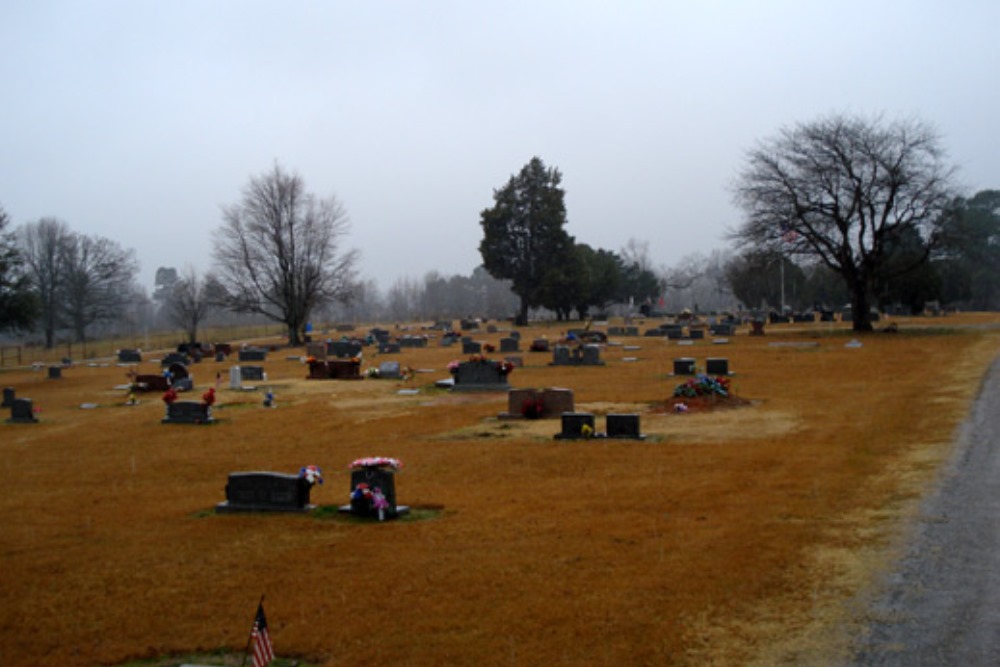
{"points": [[55, 372], [188, 412], [127, 356], [252, 354], [576, 425], [8, 397], [22, 412], [624, 426], [265, 492], [484, 375], [717, 366], [684, 366]]}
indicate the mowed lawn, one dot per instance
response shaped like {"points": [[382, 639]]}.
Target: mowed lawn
{"points": [[727, 536]]}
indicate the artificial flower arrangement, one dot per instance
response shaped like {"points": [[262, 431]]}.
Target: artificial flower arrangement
{"points": [[376, 462], [170, 396], [311, 474], [208, 398], [703, 385], [532, 408]]}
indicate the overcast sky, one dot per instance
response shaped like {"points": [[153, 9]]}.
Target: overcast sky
{"points": [[137, 120]]}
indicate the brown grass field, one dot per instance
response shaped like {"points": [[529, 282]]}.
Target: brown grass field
{"points": [[727, 537]]}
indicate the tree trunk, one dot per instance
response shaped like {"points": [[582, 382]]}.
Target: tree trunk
{"points": [[860, 307], [522, 315], [294, 340]]}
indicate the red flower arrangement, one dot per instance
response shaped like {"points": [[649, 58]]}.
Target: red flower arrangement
{"points": [[170, 396], [208, 398]]}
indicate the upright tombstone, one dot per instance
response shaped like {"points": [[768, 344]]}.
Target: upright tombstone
{"points": [[412, 341], [22, 412], [510, 344], [265, 492], [55, 372], [684, 366], [175, 358], [316, 351], [471, 347], [151, 382], [129, 356], [252, 373], [624, 426], [484, 375], [235, 377], [373, 493], [343, 349], [389, 370], [8, 397], [253, 354], [388, 347], [696, 334], [344, 369], [576, 425], [539, 345], [188, 412], [586, 355], [717, 366], [723, 329]]}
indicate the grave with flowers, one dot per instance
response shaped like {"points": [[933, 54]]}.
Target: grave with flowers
{"points": [[577, 355], [480, 373], [334, 369], [703, 392], [373, 489], [270, 491], [188, 412], [531, 403]]}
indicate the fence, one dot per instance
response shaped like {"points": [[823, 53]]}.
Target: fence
{"points": [[12, 356]]}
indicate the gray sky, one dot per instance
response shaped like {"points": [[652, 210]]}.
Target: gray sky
{"points": [[137, 120]]}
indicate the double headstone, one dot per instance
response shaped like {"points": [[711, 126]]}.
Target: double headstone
{"points": [[480, 376], [188, 412], [586, 355], [510, 345], [342, 349], [265, 492], [253, 354], [316, 351]]}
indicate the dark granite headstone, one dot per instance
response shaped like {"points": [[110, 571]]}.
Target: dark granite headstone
{"points": [[188, 412], [723, 329], [252, 374], [126, 356], [539, 345], [344, 349], [696, 334], [674, 333], [253, 354], [624, 426], [469, 325], [471, 347], [183, 384], [175, 358], [55, 372], [178, 371], [265, 492], [383, 479], [388, 348], [151, 383], [8, 397], [573, 423], [717, 366], [412, 341], [684, 366], [480, 376], [586, 355], [22, 412], [317, 351], [510, 345], [220, 356]]}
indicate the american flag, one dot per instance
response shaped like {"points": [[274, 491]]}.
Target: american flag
{"points": [[260, 640]]}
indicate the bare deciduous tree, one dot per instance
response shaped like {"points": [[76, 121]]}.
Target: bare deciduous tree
{"points": [[278, 253], [188, 302], [97, 281], [43, 245], [844, 191]]}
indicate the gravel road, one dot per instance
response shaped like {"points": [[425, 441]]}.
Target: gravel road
{"points": [[941, 604]]}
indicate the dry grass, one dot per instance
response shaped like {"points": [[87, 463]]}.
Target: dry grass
{"points": [[726, 537]]}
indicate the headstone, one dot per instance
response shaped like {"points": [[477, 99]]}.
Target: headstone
{"points": [[540, 345], [722, 329], [175, 358], [717, 366], [22, 412], [335, 369], [696, 334], [491, 328], [374, 480], [510, 345], [55, 372], [253, 354], [472, 347], [343, 349], [480, 376], [188, 412], [344, 327], [412, 341], [178, 371], [586, 355], [183, 384], [389, 370], [684, 366], [235, 377], [573, 425], [538, 403], [561, 356], [557, 401], [316, 351], [126, 356], [8, 397], [152, 382], [624, 426], [380, 335], [801, 318], [674, 333], [591, 355], [389, 348], [224, 348], [252, 373], [265, 492], [469, 325]]}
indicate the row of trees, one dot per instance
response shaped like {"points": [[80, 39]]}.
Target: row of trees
{"points": [[846, 208]]}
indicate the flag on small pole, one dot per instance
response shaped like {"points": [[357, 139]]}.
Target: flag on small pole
{"points": [[260, 640]]}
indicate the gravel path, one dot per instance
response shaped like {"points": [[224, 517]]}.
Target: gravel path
{"points": [[942, 602]]}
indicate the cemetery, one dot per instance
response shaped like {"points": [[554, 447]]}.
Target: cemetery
{"points": [[662, 535]]}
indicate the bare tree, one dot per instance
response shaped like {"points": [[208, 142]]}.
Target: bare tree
{"points": [[189, 301], [43, 246], [97, 281], [845, 191], [278, 253]]}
